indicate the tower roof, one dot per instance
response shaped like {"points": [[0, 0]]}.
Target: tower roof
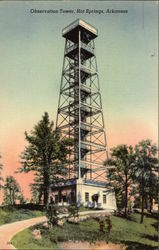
{"points": [[70, 31]]}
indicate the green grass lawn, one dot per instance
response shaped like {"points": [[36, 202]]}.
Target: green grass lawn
{"points": [[127, 231], [85, 209], [24, 240], [133, 234], [12, 215]]}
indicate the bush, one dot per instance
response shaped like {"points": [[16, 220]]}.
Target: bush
{"points": [[53, 235], [104, 227], [30, 206], [9, 214], [52, 214], [73, 210], [9, 208]]}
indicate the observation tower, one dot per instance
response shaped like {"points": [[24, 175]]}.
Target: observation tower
{"points": [[80, 117]]}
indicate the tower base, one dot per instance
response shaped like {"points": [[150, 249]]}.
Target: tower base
{"points": [[87, 193]]}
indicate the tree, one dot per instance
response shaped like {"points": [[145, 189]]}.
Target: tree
{"points": [[145, 172], [45, 155], [11, 190], [1, 179], [119, 172], [36, 193], [152, 190], [21, 198]]}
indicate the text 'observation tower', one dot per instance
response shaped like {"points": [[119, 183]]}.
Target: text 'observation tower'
{"points": [[80, 114]]}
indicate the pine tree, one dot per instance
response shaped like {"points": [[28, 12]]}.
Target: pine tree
{"points": [[45, 155]]}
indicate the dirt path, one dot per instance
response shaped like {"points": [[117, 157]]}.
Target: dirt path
{"points": [[101, 245], [7, 231]]}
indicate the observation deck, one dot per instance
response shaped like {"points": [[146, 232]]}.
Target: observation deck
{"points": [[70, 32], [72, 51]]}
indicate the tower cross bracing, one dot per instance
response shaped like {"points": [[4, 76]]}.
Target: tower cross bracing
{"points": [[80, 114]]}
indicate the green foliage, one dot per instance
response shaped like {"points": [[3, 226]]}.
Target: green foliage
{"points": [[127, 231], [132, 233], [145, 173], [134, 172], [21, 198], [46, 155], [10, 214], [54, 235], [36, 192], [52, 214], [73, 210], [83, 209], [120, 174], [25, 240], [11, 191], [85, 231], [104, 227], [120, 199]]}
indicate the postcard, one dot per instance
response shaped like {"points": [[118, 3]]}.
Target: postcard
{"points": [[79, 124]]}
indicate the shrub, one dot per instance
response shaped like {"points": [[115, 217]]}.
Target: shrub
{"points": [[52, 214], [73, 210], [53, 235], [104, 227]]}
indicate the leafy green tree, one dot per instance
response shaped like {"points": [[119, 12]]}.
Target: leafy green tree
{"points": [[145, 172], [36, 193], [21, 198], [1, 179], [45, 155], [11, 190], [119, 172], [152, 190]]}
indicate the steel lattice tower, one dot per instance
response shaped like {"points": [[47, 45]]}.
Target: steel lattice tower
{"points": [[80, 114]]}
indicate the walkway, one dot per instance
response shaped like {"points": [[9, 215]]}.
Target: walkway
{"points": [[7, 231]]}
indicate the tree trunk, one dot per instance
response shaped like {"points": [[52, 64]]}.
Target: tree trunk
{"points": [[46, 185], [126, 196], [46, 196], [147, 204], [10, 194], [46, 190], [151, 204], [142, 209], [39, 197], [13, 197]]}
